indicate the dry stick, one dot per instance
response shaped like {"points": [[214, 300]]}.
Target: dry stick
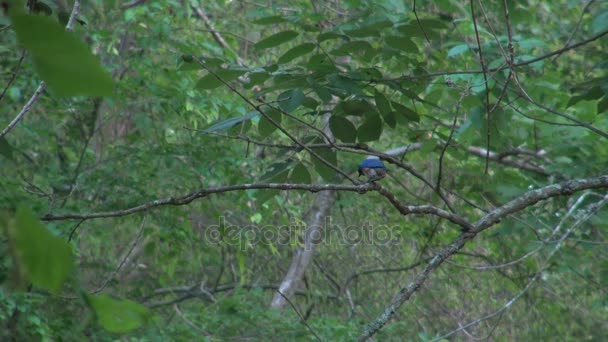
{"points": [[26, 108], [302, 320], [488, 220], [485, 78], [274, 123]]}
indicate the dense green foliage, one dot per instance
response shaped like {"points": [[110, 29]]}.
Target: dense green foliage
{"points": [[109, 231]]}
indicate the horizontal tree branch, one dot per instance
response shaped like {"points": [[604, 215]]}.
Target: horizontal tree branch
{"points": [[173, 201]]}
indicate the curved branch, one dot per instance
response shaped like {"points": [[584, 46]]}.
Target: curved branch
{"points": [[424, 209], [487, 221]]}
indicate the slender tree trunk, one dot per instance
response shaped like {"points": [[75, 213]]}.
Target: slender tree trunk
{"points": [[303, 257]]}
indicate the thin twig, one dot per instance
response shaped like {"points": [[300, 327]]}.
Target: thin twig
{"points": [[485, 78], [124, 259], [488, 220], [14, 75], [302, 320]]}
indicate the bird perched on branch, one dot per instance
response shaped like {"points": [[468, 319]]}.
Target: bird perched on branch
{"points": [[373, 168]]}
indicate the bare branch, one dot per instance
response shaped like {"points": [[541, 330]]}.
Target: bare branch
{"points": [[173, 201], [132, 4], [487, 221]]}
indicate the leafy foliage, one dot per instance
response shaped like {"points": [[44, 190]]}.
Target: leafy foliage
{"points": [[314, 87]]}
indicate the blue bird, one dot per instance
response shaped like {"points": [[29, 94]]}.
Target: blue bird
{"points": [[374, 169]]}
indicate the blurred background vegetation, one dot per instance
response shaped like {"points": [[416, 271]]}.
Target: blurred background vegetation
{"points": [[133, 113]]}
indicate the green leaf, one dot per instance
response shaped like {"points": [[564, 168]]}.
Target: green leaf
{"points": [[602, 106], [257, 78], [277, 172], [405, 112], [401, 43], [116, 315], [357, 47], [345, 86], [354, 108], [265, 127], [428, 146], [6, 149], [44, 259], [413, 30], [300, 174], [370, 129], [209, 81], [276, 40], [343, 129], [296, 52], [382, 103], [327, 36], [226, 124], [290, 100], [323, 94], [324, 170], [600, 23], [64, 62], [457, 50]]}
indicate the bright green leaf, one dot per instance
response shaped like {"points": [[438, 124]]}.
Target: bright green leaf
{"points": [[116, 315], [64, 62], [45, 259]]}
